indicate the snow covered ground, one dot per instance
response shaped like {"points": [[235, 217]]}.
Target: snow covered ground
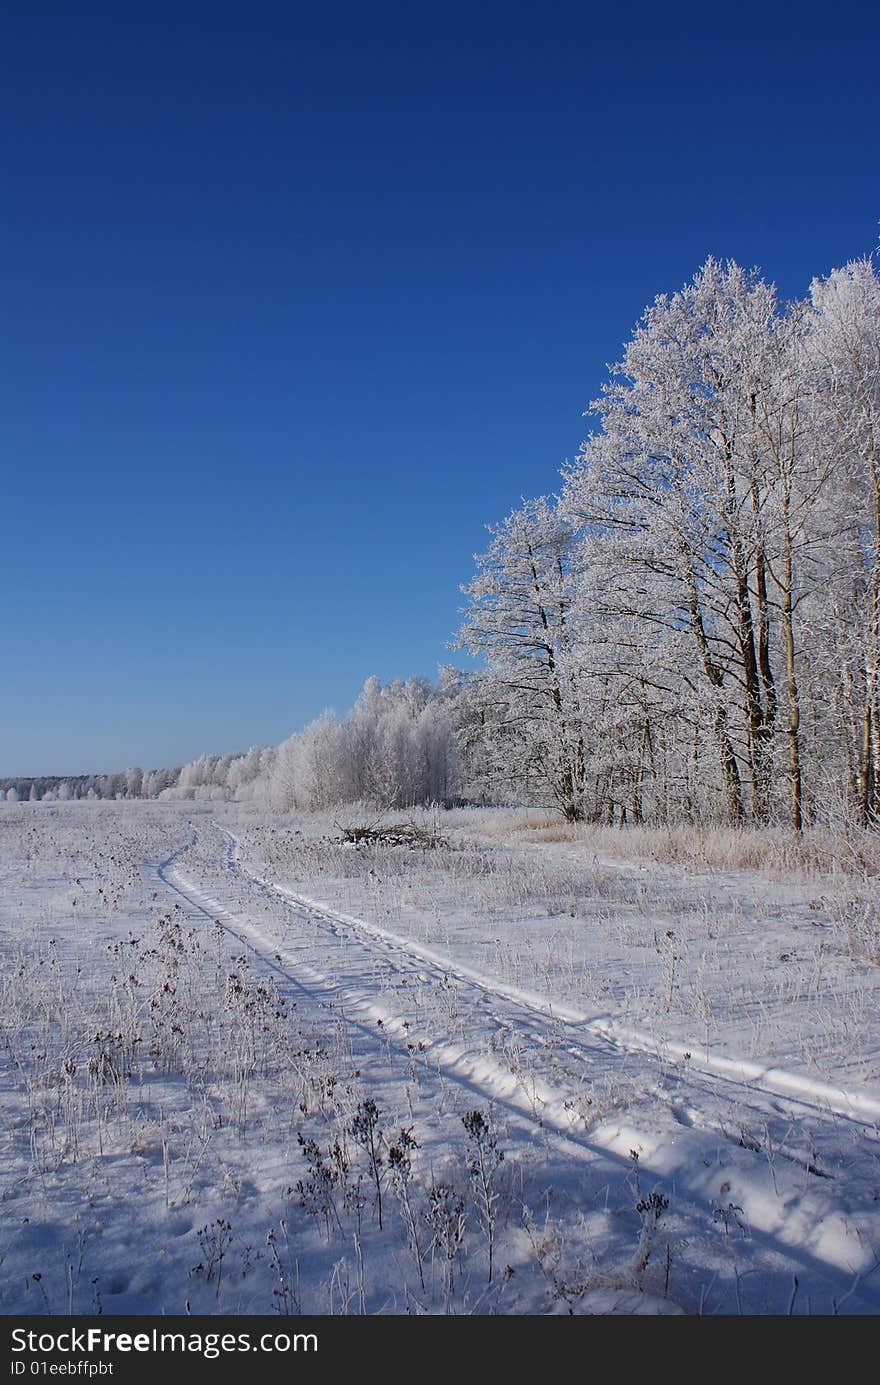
{"points": [[248, 1068]]}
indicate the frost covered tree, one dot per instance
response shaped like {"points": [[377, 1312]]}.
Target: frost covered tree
{"points": [[673, 477], [395, 749], [527, 703], [694, 628], [844, 351], [706, 487]]}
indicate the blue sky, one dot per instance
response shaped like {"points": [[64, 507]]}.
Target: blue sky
{"points": [[297, 299]]}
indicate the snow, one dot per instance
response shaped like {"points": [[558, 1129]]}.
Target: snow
{"points": [[681, 1070]]}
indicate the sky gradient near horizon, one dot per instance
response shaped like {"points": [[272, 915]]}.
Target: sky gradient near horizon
{"points": [[297, 300]]}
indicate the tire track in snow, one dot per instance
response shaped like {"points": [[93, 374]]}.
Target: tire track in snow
{"points": [[804, 1220], [478, 1072], [805, 1092]]}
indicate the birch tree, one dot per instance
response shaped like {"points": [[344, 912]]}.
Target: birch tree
{"points": [[675, 477], [528, 701], [845, 351]]}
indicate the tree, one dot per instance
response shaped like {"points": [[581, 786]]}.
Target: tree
{"points": [[677, 479], [527, 703], [845, 354]]}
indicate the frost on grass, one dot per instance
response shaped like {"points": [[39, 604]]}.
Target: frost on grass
{"points": [[250, 1068]]}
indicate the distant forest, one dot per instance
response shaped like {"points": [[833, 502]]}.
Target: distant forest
{"points": [[132, 783]]}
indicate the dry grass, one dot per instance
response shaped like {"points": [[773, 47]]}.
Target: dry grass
{"points": [[776, 852], [466, 841]]}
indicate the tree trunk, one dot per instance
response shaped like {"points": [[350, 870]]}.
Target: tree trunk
{"points": [[729, 767], [794, 709], [870, 732]]}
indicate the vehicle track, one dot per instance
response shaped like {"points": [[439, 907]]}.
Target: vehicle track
{"points": [[691, 1111], [801, 1092]]}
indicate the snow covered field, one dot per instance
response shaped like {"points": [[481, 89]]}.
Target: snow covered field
{"points": [[248, 1068]]}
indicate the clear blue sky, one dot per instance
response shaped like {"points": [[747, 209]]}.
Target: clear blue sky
{"points": [[297, 298]]}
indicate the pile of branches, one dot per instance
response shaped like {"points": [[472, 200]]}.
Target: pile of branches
{"points": [[394, 834]]}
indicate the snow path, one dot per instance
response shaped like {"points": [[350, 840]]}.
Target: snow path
{"points": [[518, 1049], [857, 1106], [261, 1035], [357, 1004]]}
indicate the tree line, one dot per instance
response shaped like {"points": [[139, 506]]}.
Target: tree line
{"points": [[396, 748], [688, 631]]}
